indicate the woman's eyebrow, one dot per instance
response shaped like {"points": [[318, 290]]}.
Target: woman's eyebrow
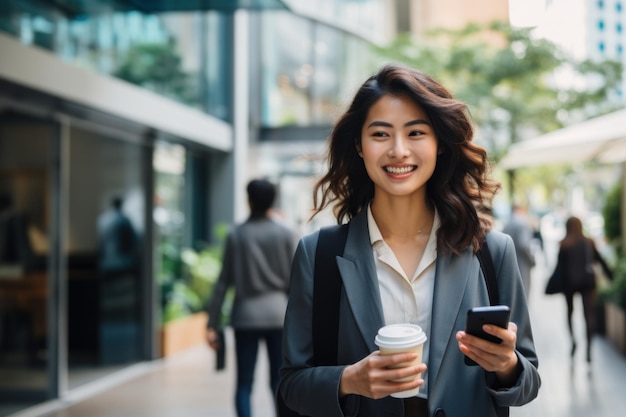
{"points": [[379, 123]]}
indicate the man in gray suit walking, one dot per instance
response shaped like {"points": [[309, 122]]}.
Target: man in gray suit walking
{"points": [[257, 263], [520, 230]]}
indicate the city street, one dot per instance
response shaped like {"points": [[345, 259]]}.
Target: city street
{"points": [[187, 385]]}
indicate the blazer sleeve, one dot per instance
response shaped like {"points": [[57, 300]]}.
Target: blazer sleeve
{"points": [[309, 390], [512, 294], [224, 281]]}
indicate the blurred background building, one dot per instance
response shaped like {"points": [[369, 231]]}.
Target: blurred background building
{"points": [[167, 107], [604, 26], [128, 130]]}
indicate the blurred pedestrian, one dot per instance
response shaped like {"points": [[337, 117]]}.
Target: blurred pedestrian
{"points": [[521, 231], [577, 254], [119, 285], [257, 260], [403, 170], [118, 240]]}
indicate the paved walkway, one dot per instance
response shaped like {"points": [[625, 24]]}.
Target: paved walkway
{"points": [[187, 386]]}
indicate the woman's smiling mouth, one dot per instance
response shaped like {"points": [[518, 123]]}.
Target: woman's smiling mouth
{"points": [[400, 170]]}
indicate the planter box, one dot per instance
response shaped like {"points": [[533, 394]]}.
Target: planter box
{"points": [[183, 333], [615, 321]]}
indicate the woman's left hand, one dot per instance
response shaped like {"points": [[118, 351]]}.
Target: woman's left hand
{"points": [[493, 357]]}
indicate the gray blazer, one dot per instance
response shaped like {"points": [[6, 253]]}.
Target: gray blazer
{"points": [[455, 389]]}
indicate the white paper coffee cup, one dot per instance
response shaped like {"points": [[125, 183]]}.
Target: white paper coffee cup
{"points": [[400, 338]]}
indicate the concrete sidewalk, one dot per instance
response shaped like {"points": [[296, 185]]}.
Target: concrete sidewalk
{"points": [[187, 385]]}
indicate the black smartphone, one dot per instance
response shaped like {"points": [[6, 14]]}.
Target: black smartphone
{"points": [[478, 316]]}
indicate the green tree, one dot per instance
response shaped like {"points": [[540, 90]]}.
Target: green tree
{"points": [[516, 85], [511, 81], [158, 67], [612, 214]]}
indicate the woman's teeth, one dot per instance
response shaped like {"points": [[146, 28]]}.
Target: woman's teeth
{"points": [[399, 170]]}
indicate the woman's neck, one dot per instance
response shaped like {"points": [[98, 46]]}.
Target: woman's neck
{"points": [[403, 218]]}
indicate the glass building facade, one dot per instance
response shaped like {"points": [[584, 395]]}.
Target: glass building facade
{"points": [[117, 154], [174, 54]]}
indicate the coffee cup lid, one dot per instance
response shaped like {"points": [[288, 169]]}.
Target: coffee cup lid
{"points": [[400, 335]]}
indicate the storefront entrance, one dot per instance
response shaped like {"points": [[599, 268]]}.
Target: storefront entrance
{"points": [[74, 292]]}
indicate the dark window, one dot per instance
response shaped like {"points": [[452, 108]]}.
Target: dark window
{"points": [[601, 24], [601, 46]]}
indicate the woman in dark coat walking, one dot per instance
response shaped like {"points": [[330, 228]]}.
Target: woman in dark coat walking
{"points": [[577, 254]]}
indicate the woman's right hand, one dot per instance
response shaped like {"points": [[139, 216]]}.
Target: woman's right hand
{"points": [[213, 338], [371, 377]]}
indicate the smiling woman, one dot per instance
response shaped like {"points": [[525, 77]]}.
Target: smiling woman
{"points": [[415, 189]]}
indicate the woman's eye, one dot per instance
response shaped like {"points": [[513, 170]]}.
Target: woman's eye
{"points": [[379, 134], [416, 133]]}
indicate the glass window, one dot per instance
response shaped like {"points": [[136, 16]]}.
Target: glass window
{"points": [[601, 46], [165, 53], [25, 211], [600, 24], [169, 218], [104, 253], [308, 70], [217, 62], [357, 16], [288, 69]]}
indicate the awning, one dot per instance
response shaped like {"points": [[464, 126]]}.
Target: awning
{"points": [[600, 139]]}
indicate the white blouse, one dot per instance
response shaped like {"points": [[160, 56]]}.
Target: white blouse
{"points": [[404, 299]]}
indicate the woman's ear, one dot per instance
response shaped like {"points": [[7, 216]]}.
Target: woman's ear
{"points": [[359, 149]]}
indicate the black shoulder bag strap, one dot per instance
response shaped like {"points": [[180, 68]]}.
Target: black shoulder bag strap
{"points": [[326, 297], [489, 271], [326, 294]]}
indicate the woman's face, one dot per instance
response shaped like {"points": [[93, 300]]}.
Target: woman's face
{"points": [[398, 146]]}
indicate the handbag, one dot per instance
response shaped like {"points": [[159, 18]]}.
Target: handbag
{"points": [[555, 283]]}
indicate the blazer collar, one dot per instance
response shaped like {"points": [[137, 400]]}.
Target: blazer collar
{"points": [[358, 272], [451, 280]]}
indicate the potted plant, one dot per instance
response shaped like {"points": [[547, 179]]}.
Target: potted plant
{"points": [[185, 294], [613, 294], [614, 297]]}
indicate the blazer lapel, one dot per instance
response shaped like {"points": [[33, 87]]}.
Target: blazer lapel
{"points": [[450, 282], [358, 272]]}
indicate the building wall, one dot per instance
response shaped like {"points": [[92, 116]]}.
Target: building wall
{"points": [[454, 14], [605, 26]]}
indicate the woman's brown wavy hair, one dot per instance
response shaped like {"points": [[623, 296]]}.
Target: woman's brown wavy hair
{"points": [[460, 187]]}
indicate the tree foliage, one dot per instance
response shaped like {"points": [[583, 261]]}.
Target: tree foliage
{"points": [[515, 85], [158, 67], [612, 214]]}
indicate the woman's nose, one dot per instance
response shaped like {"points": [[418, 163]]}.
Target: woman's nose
{"points": [[399, 149]]}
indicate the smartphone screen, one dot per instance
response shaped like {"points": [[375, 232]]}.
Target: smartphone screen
{"points": [[479, 316]]}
